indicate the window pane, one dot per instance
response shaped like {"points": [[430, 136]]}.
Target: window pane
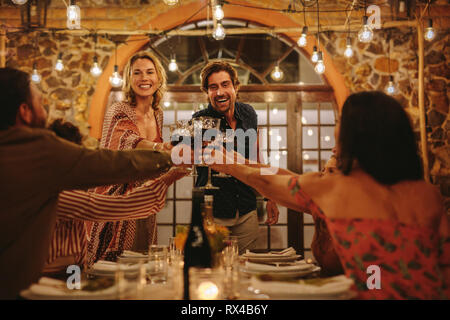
{"points": [[164, 233], [262, 138], [278, 138], [310, 161], [278, 159], [307, 218], [310, 138], [278, 237], [282, 218], [324, 157], [308, 235], [166, 214], [184, 187], [184, 211], [309, 113], [327, 137], [261, 242], [307, 73], [326, 113], [169, 117], [261, 111], [169, 194], [277, 113]]}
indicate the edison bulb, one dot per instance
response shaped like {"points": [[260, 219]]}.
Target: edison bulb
{"points": [[302, 41], [218, 12], [429, 34], [171, 2], [35, 76], [59, 66], [348, 49], [73, 17], [115, 79], [320, 67], [365, 34], [19, 2], [390, 89], [315, 55], [277, 74], [173, 65], [219, 32]]}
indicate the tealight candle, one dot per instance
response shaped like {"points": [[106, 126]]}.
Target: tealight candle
{"points": [[207, 291]]}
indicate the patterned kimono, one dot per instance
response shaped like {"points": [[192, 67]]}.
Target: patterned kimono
{"points": [[107, 240]]}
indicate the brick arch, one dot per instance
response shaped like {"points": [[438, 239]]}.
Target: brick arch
{"points": [[178, 15]]}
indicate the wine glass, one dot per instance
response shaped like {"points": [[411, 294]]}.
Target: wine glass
{"points": [[202, 125], [182, 132]]}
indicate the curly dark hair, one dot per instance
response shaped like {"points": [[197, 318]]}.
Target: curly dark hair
{"points": [[217, 66], [377, 132], [66, 130]]}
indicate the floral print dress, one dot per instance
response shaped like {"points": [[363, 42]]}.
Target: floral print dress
{"points": [[408, 256]]}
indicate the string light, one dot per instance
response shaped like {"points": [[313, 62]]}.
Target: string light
{"points": [[430, 34], [19, 2], [320, 67], [173, 66], [315, 55], [35, 76], [96, 70], [171, 2], [115, 79], [73, 16], [348, 49], [218, 12], [390, 89], [365, 34], [277, 74], [59, 66], [219, 32], [302, 40]]}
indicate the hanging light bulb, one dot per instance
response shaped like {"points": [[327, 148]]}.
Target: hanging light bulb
{"points": [[277, 74], [19, 2], [59, 66], [173, 65], [171, 2], [315, 55], [366, 33], [218, 12], [320, 67], [219, 32], [430, 34], [390, 89], [302, 40], [96, 70], [35, 76], [116, 80], [73, 16], [348, 50]]}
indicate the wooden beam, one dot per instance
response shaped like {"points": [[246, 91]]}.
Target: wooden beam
{"points": [[421, 94], [280, 59], [239, 50], [203, 49], [2, 48]]}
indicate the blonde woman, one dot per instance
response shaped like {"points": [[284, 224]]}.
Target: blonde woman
{"points": [[133, 123]]}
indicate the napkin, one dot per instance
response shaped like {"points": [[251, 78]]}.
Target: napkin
{"points": [[288, 252], [299, 266], [325, 287], [128, 253]]}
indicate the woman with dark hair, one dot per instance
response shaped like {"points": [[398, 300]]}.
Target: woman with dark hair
{"points": [[376, 206]]}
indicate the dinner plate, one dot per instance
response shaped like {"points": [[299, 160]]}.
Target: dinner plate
{"points": [[281, 274], [273, 258], [335, 288], [53, 291]]}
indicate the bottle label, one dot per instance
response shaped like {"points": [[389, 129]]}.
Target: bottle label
{"points": [[198, 242]]}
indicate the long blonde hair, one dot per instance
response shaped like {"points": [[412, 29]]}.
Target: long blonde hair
{"points": [[159, 93]]}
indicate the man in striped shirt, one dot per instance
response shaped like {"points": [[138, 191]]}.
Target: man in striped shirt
{"points": [[35, 166]]}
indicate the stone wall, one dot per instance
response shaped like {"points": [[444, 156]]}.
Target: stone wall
{"points": [[368, 69]]}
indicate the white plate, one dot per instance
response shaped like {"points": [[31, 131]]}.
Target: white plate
{"points": [[338, 288], [273, 258], [280, 275]]}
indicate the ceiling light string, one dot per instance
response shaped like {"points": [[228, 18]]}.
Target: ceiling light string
{"points": [[115, 79], [390, 89], [302, 41], [96, 70], [319, 67], [35, 76]]}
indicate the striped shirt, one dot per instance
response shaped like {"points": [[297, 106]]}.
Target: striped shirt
{"points": [[70, 236]]}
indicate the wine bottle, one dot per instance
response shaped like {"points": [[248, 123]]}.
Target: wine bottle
{"points": [[197, 250]]}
